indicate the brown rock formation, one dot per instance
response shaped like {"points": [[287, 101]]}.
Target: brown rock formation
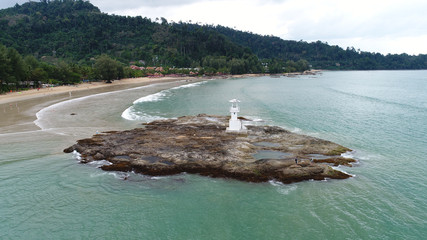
{"points": [[200, 145]]}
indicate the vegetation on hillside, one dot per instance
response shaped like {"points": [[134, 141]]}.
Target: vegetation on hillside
{"points": [[321, 55], [67, 41], [76, 30]]}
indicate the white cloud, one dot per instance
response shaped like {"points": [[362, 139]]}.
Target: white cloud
{"points": [[386, 26], [10, 3]]}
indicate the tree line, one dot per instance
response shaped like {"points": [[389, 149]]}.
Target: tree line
{"points": [[78, 31], [18, 72], [67, 41], [319, 54]]}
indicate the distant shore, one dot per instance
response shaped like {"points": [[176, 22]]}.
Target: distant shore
{"points": [[123, 83], [17, 109], [50, 91]]}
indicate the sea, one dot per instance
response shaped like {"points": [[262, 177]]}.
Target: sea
{"points": [[380, 115]]}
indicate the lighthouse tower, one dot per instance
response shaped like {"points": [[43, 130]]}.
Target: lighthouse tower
{"points": [[235, 125]]}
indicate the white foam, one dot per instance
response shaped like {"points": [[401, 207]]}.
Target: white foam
{"points": [[129, 114], [284, 189], [119, 175], [211, 119], [132, 115], [340, 169], [158, 177], [275, 183], [153, 97], [100, 163], [189, 85], [51, 108], [165, 93], [98, 174], [258, 120], [296, 130], [77, 155], [349, 154], [116, 175], [253, 121], [360, 155]]}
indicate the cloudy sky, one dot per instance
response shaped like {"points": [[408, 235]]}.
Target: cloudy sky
{"points": [[385, 26]]}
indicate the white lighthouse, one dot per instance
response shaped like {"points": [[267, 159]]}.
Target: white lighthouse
{"points": [[235, 124]]}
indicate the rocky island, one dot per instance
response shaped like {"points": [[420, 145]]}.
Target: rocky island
{"points": [[201, 145]]}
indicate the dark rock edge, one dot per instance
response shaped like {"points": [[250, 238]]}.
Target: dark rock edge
{"points": [[200, 145]]}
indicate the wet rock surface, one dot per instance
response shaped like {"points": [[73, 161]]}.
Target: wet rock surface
{"points": [[200, 145]]}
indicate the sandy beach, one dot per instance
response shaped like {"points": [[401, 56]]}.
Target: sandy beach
{"points": [[43, 92], [18, 109]]}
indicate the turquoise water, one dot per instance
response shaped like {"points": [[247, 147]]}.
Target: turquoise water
{"points": [[46, 194]]}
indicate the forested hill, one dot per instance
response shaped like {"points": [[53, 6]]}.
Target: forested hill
{"points": [[322, 55], [77, 31]]}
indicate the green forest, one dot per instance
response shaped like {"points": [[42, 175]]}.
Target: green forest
{"points": [[68, 41], [321, 55]]}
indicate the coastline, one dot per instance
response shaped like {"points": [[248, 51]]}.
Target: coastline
{"points": [[18, 110], [119, 84], [46, 92]]}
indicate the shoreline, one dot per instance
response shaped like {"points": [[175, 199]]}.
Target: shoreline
{"points": [[45, 92], [18, 110]]}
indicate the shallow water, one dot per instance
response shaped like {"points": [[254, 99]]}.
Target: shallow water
{"points": [[271, 154], [46, 194]]}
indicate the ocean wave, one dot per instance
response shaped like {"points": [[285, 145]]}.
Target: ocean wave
{"points": [[360, 156], [349, 154], [296, 130], [153, 97], [253, 121], [165, 93], [116, 175], [159, 177], [258, 120], [282, 188], [132, 115], [100, 163], [119, 175], [40, 114], [77, 155], [189, 85], [379, 100], [341, 170]]}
